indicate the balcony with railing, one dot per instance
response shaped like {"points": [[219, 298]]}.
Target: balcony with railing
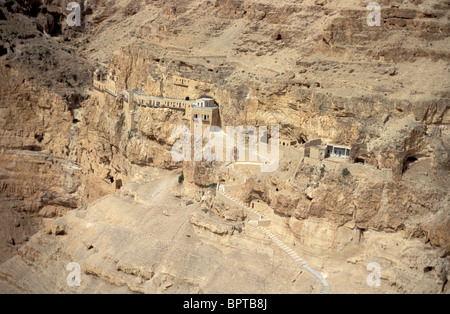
{"points": [[203, 120]]}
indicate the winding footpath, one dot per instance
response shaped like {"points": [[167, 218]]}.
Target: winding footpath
{"points": [[266, 221], [276, 241]]}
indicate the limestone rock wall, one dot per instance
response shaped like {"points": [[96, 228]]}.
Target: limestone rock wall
{"points": [[314, 68]]}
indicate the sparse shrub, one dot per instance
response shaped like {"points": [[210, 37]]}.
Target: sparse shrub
{"points": [[345, 172], [213, 186], [205, 210], [322, 171], [131, 133], [189, 203], [39, 138], [181, 178], [235, 228]]}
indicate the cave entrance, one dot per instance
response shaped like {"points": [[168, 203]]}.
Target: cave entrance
{"points": [[3, 51], [119, 184], [33, 148], [360, 160], [409, 161]]}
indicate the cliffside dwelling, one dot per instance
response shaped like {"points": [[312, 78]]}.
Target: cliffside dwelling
{"points": [[106, 83], [287, 143], [337, 151], [317, 150], [204, 110], [181, 81]]}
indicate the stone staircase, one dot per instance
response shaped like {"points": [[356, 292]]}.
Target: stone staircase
{"points": [[295, 257], [258, 217], [260, 223]]}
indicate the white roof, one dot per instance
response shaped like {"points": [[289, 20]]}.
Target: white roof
{"points": [[338, 146]]}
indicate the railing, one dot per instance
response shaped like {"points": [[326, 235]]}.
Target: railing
{"points": [[197, 120], [265, 222], [159, 106], [295, 257], [111, 93]]}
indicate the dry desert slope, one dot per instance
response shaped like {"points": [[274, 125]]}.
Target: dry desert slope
{"points": [[314, 67]]}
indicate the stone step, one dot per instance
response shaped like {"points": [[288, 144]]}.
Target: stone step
{"points": [[296, 258]]}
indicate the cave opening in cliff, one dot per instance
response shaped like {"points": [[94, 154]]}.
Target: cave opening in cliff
{"points": [[3, 50], [35, 9], [360, 160], [428, 269], [361, 233], [111, 179], [39, 137], [409, 161], [119, 184], [33, 148]]}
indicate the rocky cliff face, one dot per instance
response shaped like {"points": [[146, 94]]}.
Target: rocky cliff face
{"points": [[327, 213], [314, 68]]}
